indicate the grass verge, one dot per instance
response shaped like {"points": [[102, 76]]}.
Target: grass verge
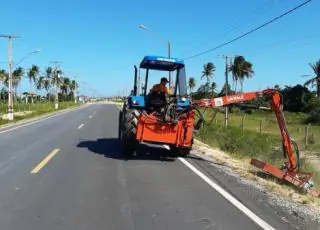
{"points": [[269, 125], [38, 110]]}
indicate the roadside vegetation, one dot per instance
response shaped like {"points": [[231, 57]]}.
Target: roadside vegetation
{"points": [[46, 88]]}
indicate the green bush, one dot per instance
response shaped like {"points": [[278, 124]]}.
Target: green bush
{"points": [[243, 143], [234, 110], [248, 111], [313, 118]]}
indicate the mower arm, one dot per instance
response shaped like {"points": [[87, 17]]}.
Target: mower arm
{"points": [[276, 107]]}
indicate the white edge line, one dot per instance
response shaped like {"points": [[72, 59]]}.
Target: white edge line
{"points": [[229, 197], [37, 121], [80, 126]]}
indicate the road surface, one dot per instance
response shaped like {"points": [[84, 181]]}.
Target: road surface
{"points": [[68, 172]]}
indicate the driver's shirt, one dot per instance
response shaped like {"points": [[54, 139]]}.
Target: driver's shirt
{"points": [[160, 88]]}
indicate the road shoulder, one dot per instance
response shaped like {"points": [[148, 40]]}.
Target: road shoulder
{"points": [[37, 118]]}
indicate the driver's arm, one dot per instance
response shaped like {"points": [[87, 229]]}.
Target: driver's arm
{"points": [[167, 91]]}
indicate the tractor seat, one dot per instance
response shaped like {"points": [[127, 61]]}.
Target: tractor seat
{"points": [[157, 99]]}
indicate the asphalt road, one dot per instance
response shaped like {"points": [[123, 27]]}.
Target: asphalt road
{"points": [[68, 172]]}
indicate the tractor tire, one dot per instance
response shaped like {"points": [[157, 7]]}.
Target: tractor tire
{"points": [[180, 151], [129, 131], [120, 125], [122, 121]]}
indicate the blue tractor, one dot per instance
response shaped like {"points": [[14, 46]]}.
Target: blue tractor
{"points": [[156, 117]]}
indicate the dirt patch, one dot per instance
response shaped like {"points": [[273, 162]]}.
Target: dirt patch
{"points": [[314, 159]]}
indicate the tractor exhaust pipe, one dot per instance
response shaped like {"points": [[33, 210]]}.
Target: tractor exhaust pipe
{"points": [[135, 88]]}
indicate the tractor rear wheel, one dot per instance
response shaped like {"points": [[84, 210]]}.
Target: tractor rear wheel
{"points": [[180, 151], [129, 131]]}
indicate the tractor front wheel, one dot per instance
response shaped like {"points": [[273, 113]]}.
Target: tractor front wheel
{"points": [[120, 125]]}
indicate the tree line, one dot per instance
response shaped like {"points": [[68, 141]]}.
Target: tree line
{"points": [[240, 69], [50, 80]]}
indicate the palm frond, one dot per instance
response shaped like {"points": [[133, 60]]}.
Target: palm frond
{"points": [[310, 82]]}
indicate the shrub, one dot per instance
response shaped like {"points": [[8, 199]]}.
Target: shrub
{"points": [[242, 143], [313, 118], [248, 111], [234, 110]]}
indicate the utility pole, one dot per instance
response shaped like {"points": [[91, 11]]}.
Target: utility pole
{"points": [[226, 57], [76, 89], [56, 99], [169, 56], [226, 90], [10, 101]]}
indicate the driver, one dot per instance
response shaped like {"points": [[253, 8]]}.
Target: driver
{"points": [[161, 87]]}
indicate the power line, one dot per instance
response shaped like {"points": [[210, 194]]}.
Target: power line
{"points": [[251, 31], [237, 24]]}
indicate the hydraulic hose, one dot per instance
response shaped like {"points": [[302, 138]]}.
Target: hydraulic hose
{"points": [[297, 151]]}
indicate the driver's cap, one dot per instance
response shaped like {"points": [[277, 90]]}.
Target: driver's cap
{"points": [[164, 79]]}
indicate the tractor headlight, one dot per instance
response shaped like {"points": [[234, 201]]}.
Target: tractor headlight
{"points": [[135, 102]]}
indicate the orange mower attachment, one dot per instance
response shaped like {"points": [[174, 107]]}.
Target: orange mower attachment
{"points": [[179, 134]]}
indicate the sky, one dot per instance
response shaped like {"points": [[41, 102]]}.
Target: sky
{"points": [[99, 40]]}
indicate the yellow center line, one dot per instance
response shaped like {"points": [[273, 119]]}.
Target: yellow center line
{"points": [[44, 161]]}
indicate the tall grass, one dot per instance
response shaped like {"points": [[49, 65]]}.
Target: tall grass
{"points": [[243, 143], [294, 122]]}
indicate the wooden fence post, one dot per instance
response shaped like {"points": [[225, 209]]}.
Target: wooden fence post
{"points": [[242, 123], [306, 134]]}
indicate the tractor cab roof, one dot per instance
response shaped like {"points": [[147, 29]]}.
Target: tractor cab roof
{"points": [[161, 63]]}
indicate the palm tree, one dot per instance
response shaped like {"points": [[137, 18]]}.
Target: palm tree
{"points": [[240, 70], [50, 79], [191, 84], [3, 75], [208, 71], [73, 88], [32, 75], [56, 78], [213, 89], [43, 83], [65, 85], [315, 80], [17, 76]]}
